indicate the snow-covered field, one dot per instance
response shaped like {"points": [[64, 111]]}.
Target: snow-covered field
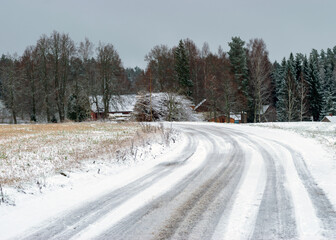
{"points": [[32, 155]]}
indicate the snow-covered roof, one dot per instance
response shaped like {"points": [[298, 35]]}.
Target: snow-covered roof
{"points": [[235, 116], [331, 118], [264, 109], [198, 105], [121, 103]]}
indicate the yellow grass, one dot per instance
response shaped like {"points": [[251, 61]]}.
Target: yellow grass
{"points": [[28, 152]]}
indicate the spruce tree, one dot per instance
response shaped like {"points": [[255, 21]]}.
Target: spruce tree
{"points": [[314, 95], [238, 59], [279, 74], [77, 109], [302, 87], [182, 69], [329, 89]]}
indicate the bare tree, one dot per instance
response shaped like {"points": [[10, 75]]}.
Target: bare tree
{"points": [[43, 52], [62, 49], [161, 64], [11, 87], [260, 82], [226, 83], [109, 70], [31, 83]]}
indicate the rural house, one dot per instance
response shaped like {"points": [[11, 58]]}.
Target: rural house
{"points": [[120, 107], [206, 109]]}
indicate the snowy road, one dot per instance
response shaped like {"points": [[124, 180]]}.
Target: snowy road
{"points": [[223, 184]]}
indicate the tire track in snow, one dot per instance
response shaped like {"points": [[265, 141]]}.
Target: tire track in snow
{"points": [[194, 206], [276, 217], [76, 220], [185, 219], [325, 211]]}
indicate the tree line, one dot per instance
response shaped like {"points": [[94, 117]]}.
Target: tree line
{"points": [[54, 79], [57, 78]]}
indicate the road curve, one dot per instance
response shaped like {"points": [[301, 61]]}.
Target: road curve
{"points": [[225, 184]]}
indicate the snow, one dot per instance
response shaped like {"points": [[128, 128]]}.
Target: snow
{"points": [[84, 185], [144, 197], [306, 219], [32, 152], [316, 142], [239, 225]]}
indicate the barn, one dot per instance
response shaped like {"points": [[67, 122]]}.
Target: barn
{"points": [[120, 107]]}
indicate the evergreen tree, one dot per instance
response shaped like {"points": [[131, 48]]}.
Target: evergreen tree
{"points": [[314, 95], [238, 59], [182, 69], [287, 90], [279, 75], [77, 109], [302, 87], [329, 90], [304, 90]]}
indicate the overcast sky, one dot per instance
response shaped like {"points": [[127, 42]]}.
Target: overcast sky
{"points": [[135, 26]]}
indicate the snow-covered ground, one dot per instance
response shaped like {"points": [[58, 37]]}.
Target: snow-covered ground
{"points": [[323, 132], [316, 141], [265, 165], [64, 188]]}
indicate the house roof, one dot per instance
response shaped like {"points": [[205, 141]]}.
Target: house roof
{"points": [[121, 103], [198, 105], [264, 109], [235, 116], [331, 118]]}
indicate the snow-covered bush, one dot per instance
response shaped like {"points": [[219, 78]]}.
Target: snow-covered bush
{"points": [[164, 107]]}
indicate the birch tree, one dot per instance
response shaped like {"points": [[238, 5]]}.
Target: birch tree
{"points": [[260, 70]]}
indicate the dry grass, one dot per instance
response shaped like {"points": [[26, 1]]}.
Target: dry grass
{"points": [[29, 152]]}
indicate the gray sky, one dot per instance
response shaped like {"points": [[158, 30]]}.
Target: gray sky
{"points": [[135, 26]]}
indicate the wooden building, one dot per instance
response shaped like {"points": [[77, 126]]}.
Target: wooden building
{"points": [[120, 107]]}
